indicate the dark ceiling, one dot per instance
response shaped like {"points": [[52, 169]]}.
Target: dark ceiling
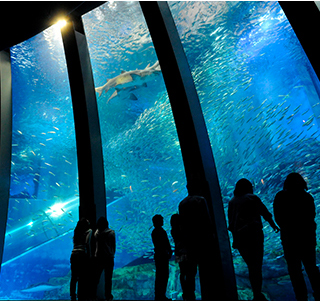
{"points": [[20, 20]]}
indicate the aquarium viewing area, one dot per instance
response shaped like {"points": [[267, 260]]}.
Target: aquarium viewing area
{"points": [[111, 108]]}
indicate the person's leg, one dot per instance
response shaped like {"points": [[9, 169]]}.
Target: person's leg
{"points": [[157, 286], [252, 254], [182, 277], [108, 272], [293, 258], [84, 287], [98, 268], [74, 278], [188, 271], [91, 279], [209, 263], [255, 270], [162, 276], [310, 265]]}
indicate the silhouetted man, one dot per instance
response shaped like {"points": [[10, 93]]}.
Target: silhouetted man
{"points": [[294, 212], [187, 265], [200, 246], [163, 253]]}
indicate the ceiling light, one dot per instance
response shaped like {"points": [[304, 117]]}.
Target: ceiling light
{"points": [[61, 23]]}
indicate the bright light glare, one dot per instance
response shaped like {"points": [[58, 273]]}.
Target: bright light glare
{"points": [[112, 4], [56, 210], [62, 23]]}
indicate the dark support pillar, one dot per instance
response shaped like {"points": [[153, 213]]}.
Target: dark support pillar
{"points": [[88, 139], [304, 17], [194, 141], [5, 142]]}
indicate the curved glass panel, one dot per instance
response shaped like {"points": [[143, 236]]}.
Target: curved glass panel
{"points": [[142, 160], [43, 205], [260, 99]]}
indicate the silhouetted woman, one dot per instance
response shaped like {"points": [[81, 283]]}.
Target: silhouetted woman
{"points": [[80, 260], [104, 255], [294, 212], [244, 213]]}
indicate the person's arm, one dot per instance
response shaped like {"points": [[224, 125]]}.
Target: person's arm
{"points": [[278, 213], [168, 244], [154, 240], [88, 243], [170, 250], [312, 206], [268, 216], [273, 225], [231, 217], [114, 241]]}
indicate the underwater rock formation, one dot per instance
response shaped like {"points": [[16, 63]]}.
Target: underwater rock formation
{"points": [[137, 283], [62, 293]]}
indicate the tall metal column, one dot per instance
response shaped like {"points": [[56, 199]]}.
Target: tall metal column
{"points": [[5, 142], [194, 141], [88, 138]]}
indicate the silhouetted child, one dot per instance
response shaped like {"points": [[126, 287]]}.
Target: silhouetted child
{"points": [[163, 253], [104, 254], [244, 213], [79, 260], [294, 212]]}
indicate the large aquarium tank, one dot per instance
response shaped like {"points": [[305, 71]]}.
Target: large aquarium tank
{"points": [[44, 195], [260, 99]]}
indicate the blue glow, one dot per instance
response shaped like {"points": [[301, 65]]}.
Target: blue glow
{"points": [[260, 99]]}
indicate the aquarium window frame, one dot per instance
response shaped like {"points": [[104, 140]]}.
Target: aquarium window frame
{"points": [[304, 18], [92, 193], [193, 136], [5, 142]]}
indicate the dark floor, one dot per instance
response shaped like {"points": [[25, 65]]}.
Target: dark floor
{"points": [[275, 289]]}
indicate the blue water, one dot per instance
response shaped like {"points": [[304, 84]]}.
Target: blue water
{"points": [[143, 163], [259, 97], [43, 205]]}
